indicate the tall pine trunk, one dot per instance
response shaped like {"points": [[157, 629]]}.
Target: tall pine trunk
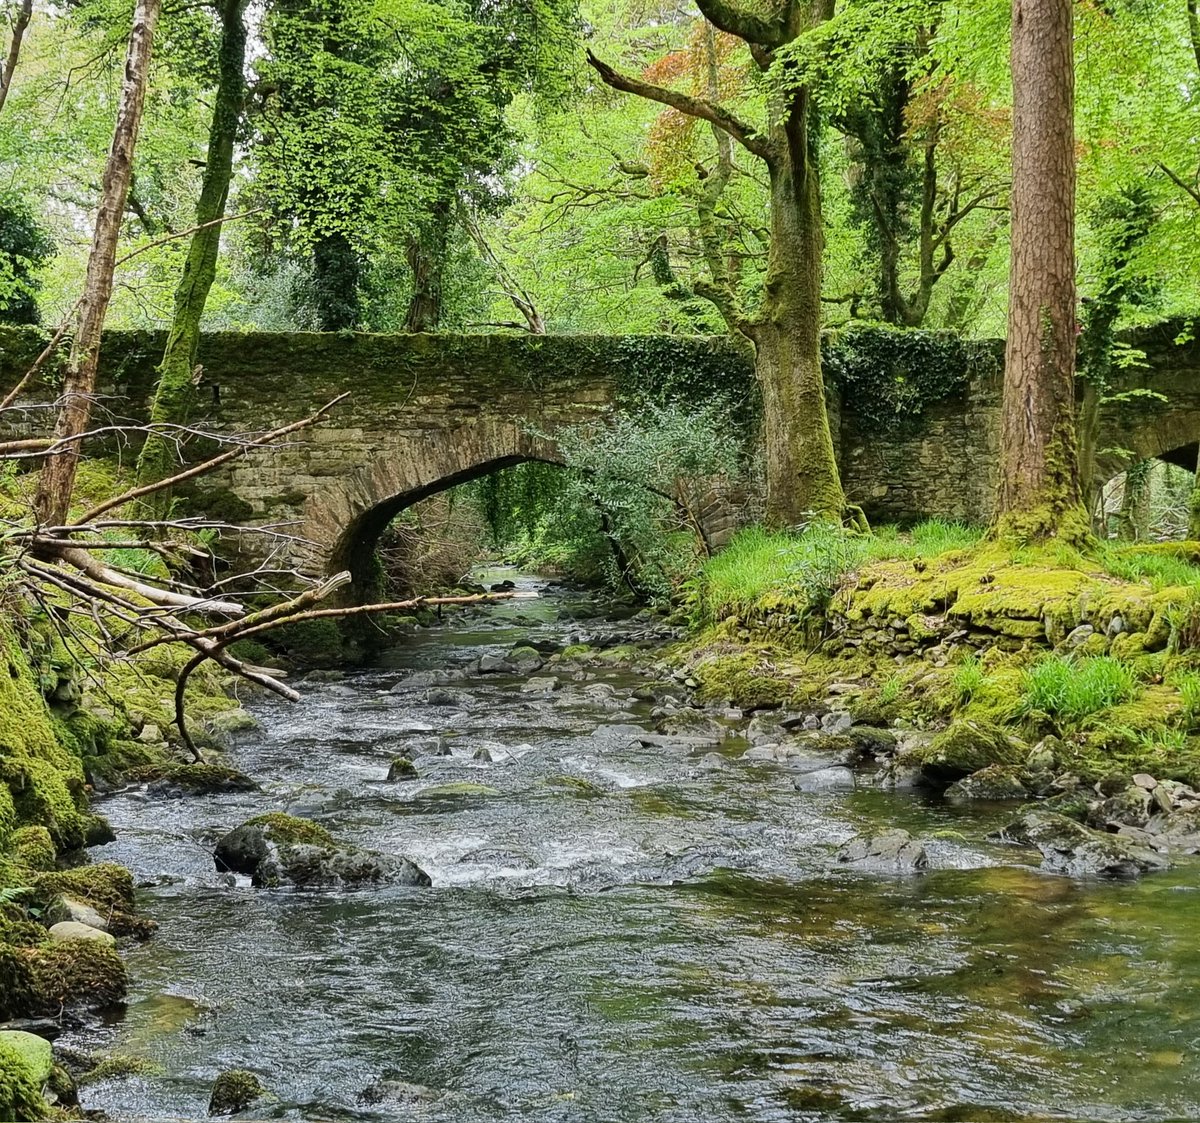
{"points": [[802, 474], [75, 405], [176, 390], [1039, 471]]}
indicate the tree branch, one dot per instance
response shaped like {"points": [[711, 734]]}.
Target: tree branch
{"points": [[208, 465], [708, 111], [753, 29]]}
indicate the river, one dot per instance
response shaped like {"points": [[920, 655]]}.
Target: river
{"points": [[627, 933]]}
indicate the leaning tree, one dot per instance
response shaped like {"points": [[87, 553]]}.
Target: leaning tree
{"points": [[785, 331]]}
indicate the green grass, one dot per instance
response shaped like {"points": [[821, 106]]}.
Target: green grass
{"points": [[1072, 689], [1161, 570], [1188, 685], [758, 564], [969, 678]]}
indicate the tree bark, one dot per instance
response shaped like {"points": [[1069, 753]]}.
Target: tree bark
{"points": [[802, 475], [426, 255], [20, 24], [176, 390], [75, 406], [1039, 472]]}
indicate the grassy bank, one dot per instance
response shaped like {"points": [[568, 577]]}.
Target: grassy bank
{"points": [[992, 646]]}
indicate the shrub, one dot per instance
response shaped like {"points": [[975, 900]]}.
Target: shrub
{"points": [[1071, 689]]}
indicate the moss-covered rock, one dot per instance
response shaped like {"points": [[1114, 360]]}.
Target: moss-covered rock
{"points": [[20, 1089], [278, 826], [105, 886], [964, 747], [994, 783], [745, 680], [234, 1090], [52, 977], [33, 848]]}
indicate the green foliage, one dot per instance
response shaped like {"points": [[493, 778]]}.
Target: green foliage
{"points": [[969, 678], [1072, 689], [24, 248], [893, 375], [620, 496]]}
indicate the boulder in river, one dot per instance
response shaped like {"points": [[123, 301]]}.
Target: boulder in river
{"points": [[1071, 848], [825, 780], [277, 849], [890, 851], [234, 1090], [995, 783]]}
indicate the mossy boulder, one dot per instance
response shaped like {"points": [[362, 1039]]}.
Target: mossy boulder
{"points": [[995, 783], [33, 848], [278, 826], [234, 1090], [204, 779], [20, 1086], [401, 769], [55, 977], [276, 850], [964, 747], [744, 680], [105, 886]]}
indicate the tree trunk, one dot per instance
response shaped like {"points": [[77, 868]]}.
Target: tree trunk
{"points": [[426, 255], [334, 287], [20, 24], [1133, 519], [175, 394], [802, 473], [1039, 472], [75, 406], [1193, 530]]}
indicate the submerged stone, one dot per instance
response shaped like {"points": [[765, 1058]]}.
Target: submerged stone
{"points": [[891, 851]]}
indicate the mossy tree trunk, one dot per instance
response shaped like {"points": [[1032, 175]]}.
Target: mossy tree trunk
{"points": [[176, 389], [802, 474], [1039, 471], [57, 479], [1193, 528], [426, 255]]}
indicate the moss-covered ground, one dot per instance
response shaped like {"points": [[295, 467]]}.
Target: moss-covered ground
{"points": [[997, 644]]}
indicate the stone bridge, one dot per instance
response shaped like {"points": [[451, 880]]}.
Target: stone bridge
{"points": [[424, 413]]}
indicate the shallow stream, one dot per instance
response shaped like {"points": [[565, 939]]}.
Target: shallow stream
{"points": [[626, 933]]}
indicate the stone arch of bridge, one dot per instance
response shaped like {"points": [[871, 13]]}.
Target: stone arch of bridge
{"points": [[345, 518], [1171, 434]]}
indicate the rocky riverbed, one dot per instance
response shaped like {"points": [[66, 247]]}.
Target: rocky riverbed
{"points": [[632, 907]]}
